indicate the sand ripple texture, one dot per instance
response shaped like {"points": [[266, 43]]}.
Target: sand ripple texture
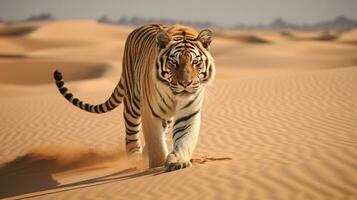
{"points": [[291, 136]]}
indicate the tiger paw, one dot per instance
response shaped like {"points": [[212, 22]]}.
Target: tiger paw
{"points": [[173, 163]]}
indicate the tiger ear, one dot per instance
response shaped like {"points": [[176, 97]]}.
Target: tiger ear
{"points": [[205, 37], [162, 39]]}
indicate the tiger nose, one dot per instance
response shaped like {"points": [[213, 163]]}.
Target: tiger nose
{"points": [[185, 82]]}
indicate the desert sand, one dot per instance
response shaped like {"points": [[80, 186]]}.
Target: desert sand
{"points": [[279, 121]]}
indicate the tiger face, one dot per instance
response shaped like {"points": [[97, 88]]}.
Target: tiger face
{"points": [[184, 63]]}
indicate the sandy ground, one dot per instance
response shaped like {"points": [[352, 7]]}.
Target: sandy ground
{"points": [[279, 122]]}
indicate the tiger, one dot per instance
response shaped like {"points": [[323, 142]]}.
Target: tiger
{"points": [[165, 72]]}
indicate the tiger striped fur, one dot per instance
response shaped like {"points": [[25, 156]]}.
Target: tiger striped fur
{"points": [[165, 71]]}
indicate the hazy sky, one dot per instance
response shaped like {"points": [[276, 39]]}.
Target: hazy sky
{"points": [[225, 12]]}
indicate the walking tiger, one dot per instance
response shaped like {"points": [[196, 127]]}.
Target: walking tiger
{"points": [[165, 72]]}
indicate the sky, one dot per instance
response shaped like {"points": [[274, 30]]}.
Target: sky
{"points": [[223, 12]]}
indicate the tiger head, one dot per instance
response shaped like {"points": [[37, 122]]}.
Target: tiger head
{"points": [[184, 62]]}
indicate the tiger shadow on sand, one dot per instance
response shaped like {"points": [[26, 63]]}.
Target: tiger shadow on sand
{"points": [[34, 171]]}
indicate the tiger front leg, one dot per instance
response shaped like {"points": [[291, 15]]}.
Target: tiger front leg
{"points": [[185, 134]]}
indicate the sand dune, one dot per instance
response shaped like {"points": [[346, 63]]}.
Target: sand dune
{"points": [[17, 30], [349, 37], [243, 38], [80, 30], [279, 122], [41, 51], [317, 36], [44, 68]]}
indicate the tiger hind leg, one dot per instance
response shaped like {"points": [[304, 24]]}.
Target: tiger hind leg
{"points": [[133, 143]]}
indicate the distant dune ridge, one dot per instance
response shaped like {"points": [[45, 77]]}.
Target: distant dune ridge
{"points": [[279, 121], [340, 23]]}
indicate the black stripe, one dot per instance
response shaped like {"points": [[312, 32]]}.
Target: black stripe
{"points": [[172, 100], [131, 111], [159, 103], [177, 130], [180, 137], [135, 114], [162, 60], [57, 75], [162, 109], [209, 74], [68, 96], [159, 77], [128, 122], [63, 90], [115, 99], [86, 106], [131, 132], [136, 98], [151, 109], [130, 141], [135, 102], [191, 102], [101, 108], [119, 94], [121, 84], [162, 98], [153, 112], [96, 109], [129, 128], [109, 105], [127, 107], [143, 33], [186, 118], [59, 83], [80, 103], [75, 101]]}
